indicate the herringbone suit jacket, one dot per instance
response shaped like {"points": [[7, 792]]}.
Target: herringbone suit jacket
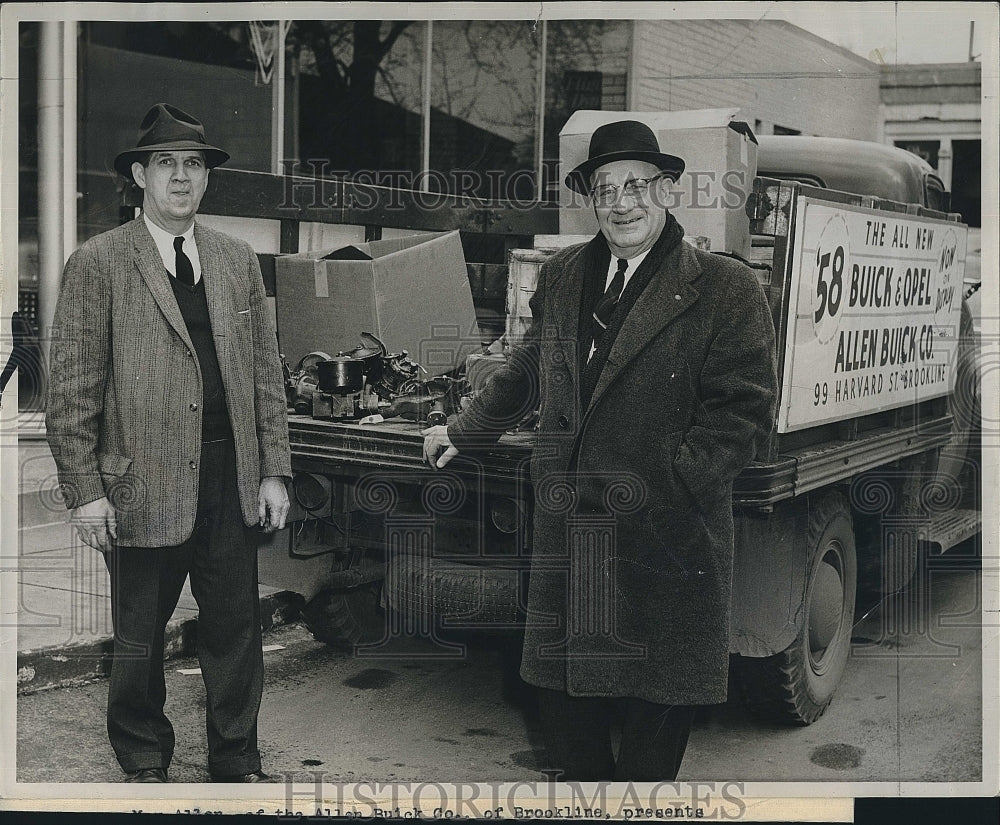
{"points": [[125, 390]]}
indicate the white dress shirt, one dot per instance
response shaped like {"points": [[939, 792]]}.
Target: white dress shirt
{"points": [[165, 244], [633, 265]]}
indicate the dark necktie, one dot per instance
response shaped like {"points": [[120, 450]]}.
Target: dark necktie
{"points": [[182, 264], [606, 306]]}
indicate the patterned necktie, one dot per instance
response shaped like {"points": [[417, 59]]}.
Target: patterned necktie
{"points": [[182, 263], [606, 306]]}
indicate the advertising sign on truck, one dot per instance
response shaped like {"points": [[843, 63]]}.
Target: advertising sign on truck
{"points": [[875, 305]]}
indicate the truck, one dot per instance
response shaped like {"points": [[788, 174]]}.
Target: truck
{"points": [[871, 468]]}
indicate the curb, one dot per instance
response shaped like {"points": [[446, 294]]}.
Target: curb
{"points": [[63, 665]]}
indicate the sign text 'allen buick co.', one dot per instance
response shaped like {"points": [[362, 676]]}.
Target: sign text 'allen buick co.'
{"points": [[875, 305]]}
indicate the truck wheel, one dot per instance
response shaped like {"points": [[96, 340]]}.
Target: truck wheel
{"points": [[958, 461], [887, 562], [454, 591], [345, 619], [798, 684]]}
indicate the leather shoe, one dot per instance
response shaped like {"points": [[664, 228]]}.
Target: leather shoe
{"points": [[148, 775], [255, 776]]}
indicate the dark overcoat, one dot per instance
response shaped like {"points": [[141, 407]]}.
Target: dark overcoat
{"points": [[632, 548]]}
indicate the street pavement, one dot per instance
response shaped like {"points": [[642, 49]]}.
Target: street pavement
{"points": [[909, 709]]}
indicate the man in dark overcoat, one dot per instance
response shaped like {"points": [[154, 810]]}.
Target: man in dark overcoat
{"points": [[166, 416], [652, 364]]}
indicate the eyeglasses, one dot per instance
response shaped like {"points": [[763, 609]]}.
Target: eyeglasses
{"points": [[634, 188]]}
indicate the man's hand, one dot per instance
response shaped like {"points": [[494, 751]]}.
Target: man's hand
{"points": [[95, 524], [272, 504], [438, 449]]}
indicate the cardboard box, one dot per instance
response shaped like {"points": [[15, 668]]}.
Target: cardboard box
{"points": [[522, 277], [412, 292], [720, 155]]}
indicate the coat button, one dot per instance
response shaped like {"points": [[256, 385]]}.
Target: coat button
{"points": [[193, 464], [563, 421], [194, 407], [190, 354]]}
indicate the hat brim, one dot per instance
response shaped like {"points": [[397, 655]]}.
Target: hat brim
{"points": [[213, 155], [579, 179]]}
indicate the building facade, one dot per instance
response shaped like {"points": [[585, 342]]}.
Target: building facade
{"points": [[785, 80], [459, 106], [469, 107], [934, 111]]}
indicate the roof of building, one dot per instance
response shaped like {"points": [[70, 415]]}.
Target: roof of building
{"points": [[932, 74], [931, 83], [808, 35]]}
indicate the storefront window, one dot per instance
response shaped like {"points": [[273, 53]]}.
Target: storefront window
{"points": [[484, 92], [354, 101], [586, 68], [360, 98], [130, 66]]}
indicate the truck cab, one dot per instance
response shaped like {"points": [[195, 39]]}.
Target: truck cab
{"points": [[856, 166]]}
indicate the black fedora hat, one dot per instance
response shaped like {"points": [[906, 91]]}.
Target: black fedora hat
{"points": [[169, 129], [622, 140]]}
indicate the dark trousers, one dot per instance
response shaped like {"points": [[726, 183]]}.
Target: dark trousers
{"points": [[577, 731], [145, 585]]}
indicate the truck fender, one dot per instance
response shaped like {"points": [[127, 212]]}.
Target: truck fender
{"points": [[769, 579], [957, 463]]}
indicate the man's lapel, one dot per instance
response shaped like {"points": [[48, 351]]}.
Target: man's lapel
{"points": [[668, 294], [566, 297], [214, 275], [150, 265]]}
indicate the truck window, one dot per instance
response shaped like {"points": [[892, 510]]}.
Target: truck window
{"points": [[936, 196], [809, 180]]}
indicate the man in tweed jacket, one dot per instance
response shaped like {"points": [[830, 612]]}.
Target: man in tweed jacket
{"points": [[652, 365], [166, 417]]}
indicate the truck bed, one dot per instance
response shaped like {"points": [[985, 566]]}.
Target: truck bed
{"points": [[396, 446]]}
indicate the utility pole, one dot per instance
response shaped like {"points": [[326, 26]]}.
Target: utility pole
{"points": [[972, 34]]}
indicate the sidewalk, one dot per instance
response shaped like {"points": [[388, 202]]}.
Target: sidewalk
{"points": [[64, 629]]}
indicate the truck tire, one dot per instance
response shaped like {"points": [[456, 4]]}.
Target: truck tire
{"points": [[344, 619], [887, 562], [959, 460], [798, 684], [430, 590]]}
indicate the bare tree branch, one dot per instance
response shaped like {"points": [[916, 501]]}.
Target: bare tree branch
{"points": [[393, 35]]}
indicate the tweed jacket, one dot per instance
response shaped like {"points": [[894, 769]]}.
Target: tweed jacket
{"points": [[632, 544], [124, 404]]}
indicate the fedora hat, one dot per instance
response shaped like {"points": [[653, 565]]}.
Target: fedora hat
{"points": [[622, 140], [169, 129]]}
